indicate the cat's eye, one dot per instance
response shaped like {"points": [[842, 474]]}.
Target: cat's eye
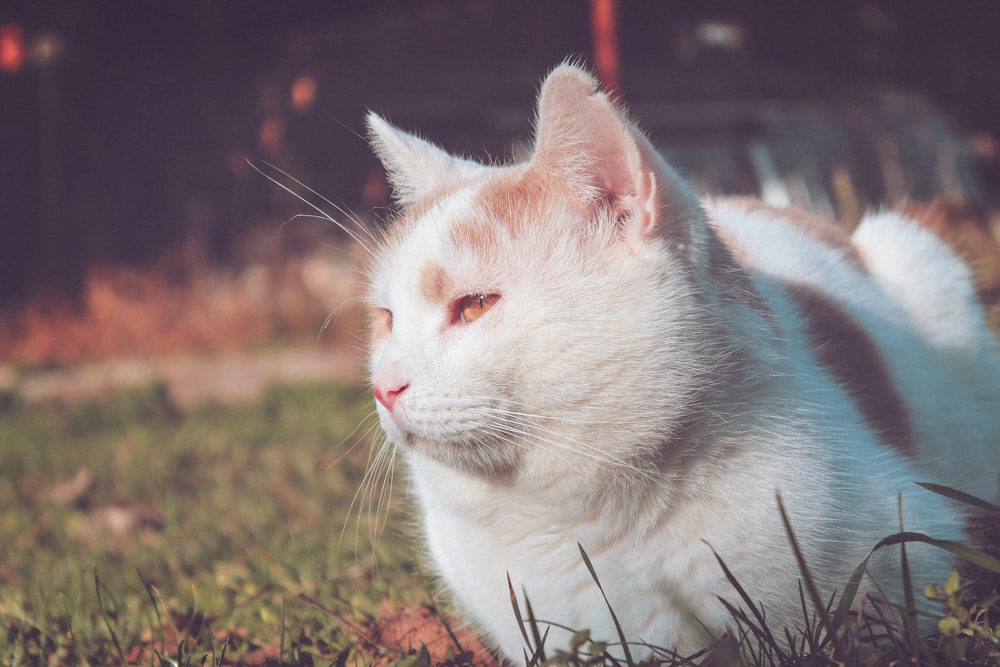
{"points": [[471, 307]]}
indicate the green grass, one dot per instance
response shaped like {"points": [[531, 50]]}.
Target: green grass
{"points": [[239, 512], [249, 542]]}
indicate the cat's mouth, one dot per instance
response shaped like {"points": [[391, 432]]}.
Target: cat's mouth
{"points": [[422, 444], [482, 459], [404, 437]]}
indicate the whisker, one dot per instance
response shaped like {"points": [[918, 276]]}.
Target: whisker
{"points": [[369, 245], [377, 476], [360, 439], [510, 423], [335, 313]]}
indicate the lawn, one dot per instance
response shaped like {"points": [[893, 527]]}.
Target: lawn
{"points": [[134, 531]]}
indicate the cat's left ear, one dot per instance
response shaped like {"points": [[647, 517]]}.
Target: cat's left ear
{"points": [[584, 140], [416, 168]]}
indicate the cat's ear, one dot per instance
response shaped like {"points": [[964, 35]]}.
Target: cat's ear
{"points": [[415, 167], [586, 142]]}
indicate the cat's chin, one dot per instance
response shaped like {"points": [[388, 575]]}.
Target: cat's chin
{"points": [[488, 458], [494, 462]]}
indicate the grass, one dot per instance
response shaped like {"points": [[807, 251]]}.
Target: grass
{"points": [[129, 529], [134, 532]]}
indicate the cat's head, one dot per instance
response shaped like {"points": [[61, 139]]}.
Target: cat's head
{"points": [[533, 321]]}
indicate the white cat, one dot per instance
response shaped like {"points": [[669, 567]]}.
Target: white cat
{"points": [[576, 350]]}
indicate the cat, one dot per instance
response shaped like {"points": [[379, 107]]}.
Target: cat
{"points": [[576, 351]]}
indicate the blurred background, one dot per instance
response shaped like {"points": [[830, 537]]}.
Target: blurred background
{"points": [[137, 225]]}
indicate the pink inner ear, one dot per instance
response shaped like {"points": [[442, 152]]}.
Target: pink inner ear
{"points": [[616, 163], [648, 201], [584, 140], [631, 188], [588, 146]]}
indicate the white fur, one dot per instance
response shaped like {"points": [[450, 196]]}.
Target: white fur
{"points": [[625, 396]]}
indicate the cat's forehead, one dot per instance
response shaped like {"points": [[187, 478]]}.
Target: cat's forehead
{"points": [[485, 230], [509, 203], [426, 230], [429, 244]]}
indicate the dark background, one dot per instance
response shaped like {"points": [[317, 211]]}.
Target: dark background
{"points": [[132, 134]]}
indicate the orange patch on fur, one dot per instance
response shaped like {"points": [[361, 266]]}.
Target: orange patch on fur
{"points": [[434, 282], [516, 199], [849, 353], [510, 201], [480, 236]]}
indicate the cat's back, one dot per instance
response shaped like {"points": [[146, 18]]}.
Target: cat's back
{"points": [[891, 262], [892, 314]]}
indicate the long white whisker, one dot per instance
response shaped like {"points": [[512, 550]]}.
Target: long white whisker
{"points": [[364, 243], [357, 435], [335, 313], [368, 480]]}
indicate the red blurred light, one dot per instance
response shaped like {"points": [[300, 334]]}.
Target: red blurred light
{"points": [[11, 48], [607, 53]]}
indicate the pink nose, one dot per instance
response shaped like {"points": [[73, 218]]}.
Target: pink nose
{"points": [[387, 396]]}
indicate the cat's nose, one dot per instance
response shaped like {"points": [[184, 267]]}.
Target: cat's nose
{"points": [[387, 395]]}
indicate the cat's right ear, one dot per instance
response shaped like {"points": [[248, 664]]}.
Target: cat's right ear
{"points": [[416, 168]]}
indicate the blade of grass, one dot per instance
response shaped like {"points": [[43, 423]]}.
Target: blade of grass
{"points": [[807, 579], [960, 496], [963, 551], [107, 621], [810, 638], [847, 597], [222, 653], [760, 629], [746, 626], [538, 637], [537, 651], [614, 617], [517, 612], [156, 608], [910, 608], [461, 653]]}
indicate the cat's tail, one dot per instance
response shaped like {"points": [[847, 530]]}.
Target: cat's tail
{"points": [[953, 383], [918, 271]]}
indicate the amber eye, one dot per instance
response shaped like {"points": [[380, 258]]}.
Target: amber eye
{"points": [[470, 308]]}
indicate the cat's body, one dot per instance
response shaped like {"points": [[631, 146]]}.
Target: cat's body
{"points": [[576, 351]]}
